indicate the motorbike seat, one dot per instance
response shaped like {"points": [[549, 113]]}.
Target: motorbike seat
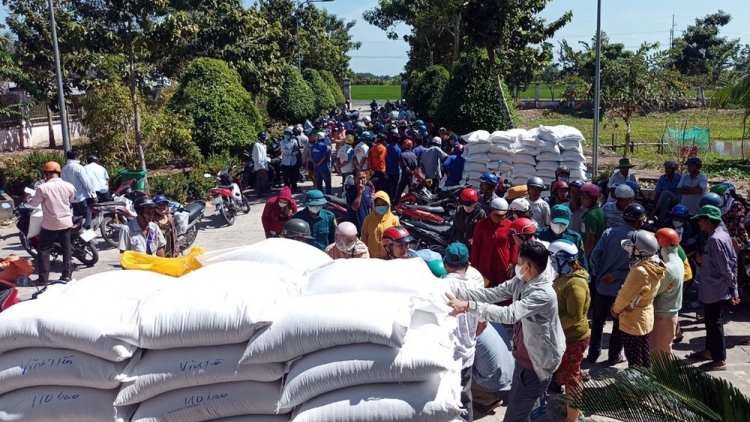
{"points": [[109, 204], [433, 210], [443, 230], [336, 200], [195, 209]]}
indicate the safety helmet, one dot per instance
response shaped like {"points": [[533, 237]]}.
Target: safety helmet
{"points": [[368, 135], [437, 267], [158, 199], [694, 160], [624, 192], [712, 199], [591, 190], [520, 205], [297, 131], [562, 170], [366, 119], [563, 250], [577, 183], [288, 131], [52, 167], [296, 228], [142, 203], [262, 135], [644, 244], [490, 178], [469, 195], [536, 182], [423, 128], [633, 185], [559, 185], [667, 237], [680, 211], [93, 159], [499, 204], [458, 148], [419, 123], [634, 212], [396, 234], [522, 226], [407, 144], [720, 189], [349, 139]]}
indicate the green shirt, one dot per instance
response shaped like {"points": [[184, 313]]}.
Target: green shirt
{"points": [[594, 222], [322, 227]]}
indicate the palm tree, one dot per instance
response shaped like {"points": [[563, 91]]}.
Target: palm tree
{"points": [[672, 390]]}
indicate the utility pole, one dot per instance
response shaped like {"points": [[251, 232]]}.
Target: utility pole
{"points": [[671, 34], [597, 87], [60, 89]]}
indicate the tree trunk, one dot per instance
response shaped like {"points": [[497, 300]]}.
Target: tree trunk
{"points": [[627, 137], [136, 110], [456, 39], [51, 128], [500, 92]]}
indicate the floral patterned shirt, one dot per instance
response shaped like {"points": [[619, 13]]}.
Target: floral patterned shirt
{"points": [[735, 222]]}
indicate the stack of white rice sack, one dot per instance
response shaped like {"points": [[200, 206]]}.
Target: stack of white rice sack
{"points": [[477, 155], [567, 141], [214, 345]]}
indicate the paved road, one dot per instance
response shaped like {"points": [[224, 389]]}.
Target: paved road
{"points": [[247, 229]]}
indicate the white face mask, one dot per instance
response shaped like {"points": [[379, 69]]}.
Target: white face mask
{"points": [[468, 208], [678, 224], [283, 204], [558, 228], [520, 274], [315, 209]]}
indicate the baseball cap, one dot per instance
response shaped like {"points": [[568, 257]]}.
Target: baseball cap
{"points": [[456, 255], [560, 214]]}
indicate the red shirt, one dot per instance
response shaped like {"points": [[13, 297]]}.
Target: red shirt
{"points": [[493, 251]]}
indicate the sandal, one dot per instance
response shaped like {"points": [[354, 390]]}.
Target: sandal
{"points": [[699, 356], [745, 342], [620, 360], [716, 365]]}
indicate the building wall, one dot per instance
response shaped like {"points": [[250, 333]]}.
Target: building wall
{"points": [[27, 136]]}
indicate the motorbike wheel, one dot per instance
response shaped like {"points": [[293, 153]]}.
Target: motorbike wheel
{"points": [[189, 238], [228, 214], [85, 252], [245, 205], [110, 232], [27, 245]]}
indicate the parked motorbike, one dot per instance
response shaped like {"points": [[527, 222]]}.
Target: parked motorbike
{"points": [[109, 217], [338, 207], [422, 213], [187, 233], [434, 237], [29, 225], [247, 176], [227, 195], [420, 194]]}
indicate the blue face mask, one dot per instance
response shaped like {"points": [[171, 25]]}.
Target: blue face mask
{"points": [[381, 209], [561, 267]]}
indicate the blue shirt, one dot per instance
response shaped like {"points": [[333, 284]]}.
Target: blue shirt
{"points": [[357, 217], [664, 184], [718, 269], [455, 166], [609, 257], [391, 159], [418, 151], [322, 227], [319, 151], [493, 359]]}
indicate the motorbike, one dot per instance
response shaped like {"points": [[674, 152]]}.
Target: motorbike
{"points": [[422, 213], [187, 230], [435, 237], [29, 225], [247, 176], [420, 194], [338, 207], [108, 217], [227, 195]]}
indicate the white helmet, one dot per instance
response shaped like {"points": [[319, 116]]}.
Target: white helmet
{"points": [[563, 249], [520, 205], [499, 204], [366, 119], [624, 192]]}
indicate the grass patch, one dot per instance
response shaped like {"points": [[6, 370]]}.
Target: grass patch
{"points": [[544, 93], [379, 92]]}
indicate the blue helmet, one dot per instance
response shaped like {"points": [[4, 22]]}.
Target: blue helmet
{"points": [[633, 185], [577, 183], [419, 123], [158, 199], [712, 199], [423, 128], [368, 136], [490, 178], [680, 211]]}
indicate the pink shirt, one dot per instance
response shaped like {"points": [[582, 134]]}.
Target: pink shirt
{"points": [[55, 196]]}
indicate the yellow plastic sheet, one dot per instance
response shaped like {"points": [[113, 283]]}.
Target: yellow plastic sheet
{"points": [[174, 267]]}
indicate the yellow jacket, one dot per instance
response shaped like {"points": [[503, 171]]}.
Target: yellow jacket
{"points": [[374, 226], [635, 300]]}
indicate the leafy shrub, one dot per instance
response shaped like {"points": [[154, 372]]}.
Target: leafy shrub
{"points": [[217, 162], [223, 114], [338, 94], [295, 100], [324, 100], [428, 91], [18, 172], [470, 101], [413, 90], [168, 138]]}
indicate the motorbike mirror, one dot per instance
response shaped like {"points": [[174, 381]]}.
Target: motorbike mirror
{"points": [[207, 176], [23, 281]]}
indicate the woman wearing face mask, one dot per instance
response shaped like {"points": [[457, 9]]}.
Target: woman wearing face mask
{"points": [[634, 306], [377, 222], [520, 208], [347, 244], [163, 218], [679, 222], [573, 301], [467, 217], [558, 229], [278, 210], [493, 252]]}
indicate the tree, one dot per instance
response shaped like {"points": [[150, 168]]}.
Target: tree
{"points": [[428, 91], [470, 101], [224, 116], [324, 100], [742, 61], [700, 51], [338, 94], [510, 32], [637, 84], [551, 77], [737, 94], [9, 70], [295, 100]]}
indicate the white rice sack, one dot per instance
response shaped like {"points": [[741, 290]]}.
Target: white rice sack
{"points": [[520, 133], [435, 400], [477, 148], [523, 159], [478, 158], [502, 137], [531, 141], [56, 404], [311, 323], [547, 133], [503, 148], [208, 402], [44, 366], [519, 180], [524, 168], [255, 418], [549, 156], [160, 371], [546, 174], [550, 147], [68, 322], [117, 285], [573, 165], [504, 166], [421, 357], [505, 158], [568, 133], [472, 175], [481, 136], [372, 276], [527, 150], [475, 167], [573, 156], [214, 305], [577, 175], [567, 145], [547, 165], [297, 256]]}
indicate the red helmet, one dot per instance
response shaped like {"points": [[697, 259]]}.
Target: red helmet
{"points": [[396, 234], [469, 195], [667, 237], [591, 190], [408, 144], [559, 185], [458, 147], [522, 226]]}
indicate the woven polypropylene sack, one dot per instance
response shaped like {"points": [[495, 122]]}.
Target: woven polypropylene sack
{"points": [[56, 404], [296, 256]]}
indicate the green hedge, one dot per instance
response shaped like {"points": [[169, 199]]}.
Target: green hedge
{"points": [[295, 100], [20, 171], [330, 80], [426, 91], [324, 100]]}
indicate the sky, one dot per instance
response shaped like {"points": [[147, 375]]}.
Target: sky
{"points": [[630, 22]]}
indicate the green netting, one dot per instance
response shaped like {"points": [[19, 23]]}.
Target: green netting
{"points": [[695, 136]]}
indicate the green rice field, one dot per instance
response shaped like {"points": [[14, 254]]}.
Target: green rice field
{"points": [[379, 92]]}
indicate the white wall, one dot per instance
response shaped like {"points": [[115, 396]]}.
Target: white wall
{"points": [[36, 136]]}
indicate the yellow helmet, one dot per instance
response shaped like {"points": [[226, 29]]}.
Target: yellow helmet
{"points": [[349, 139]]}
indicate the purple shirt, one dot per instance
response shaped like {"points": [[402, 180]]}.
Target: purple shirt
{"points": [[719, 269]]}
